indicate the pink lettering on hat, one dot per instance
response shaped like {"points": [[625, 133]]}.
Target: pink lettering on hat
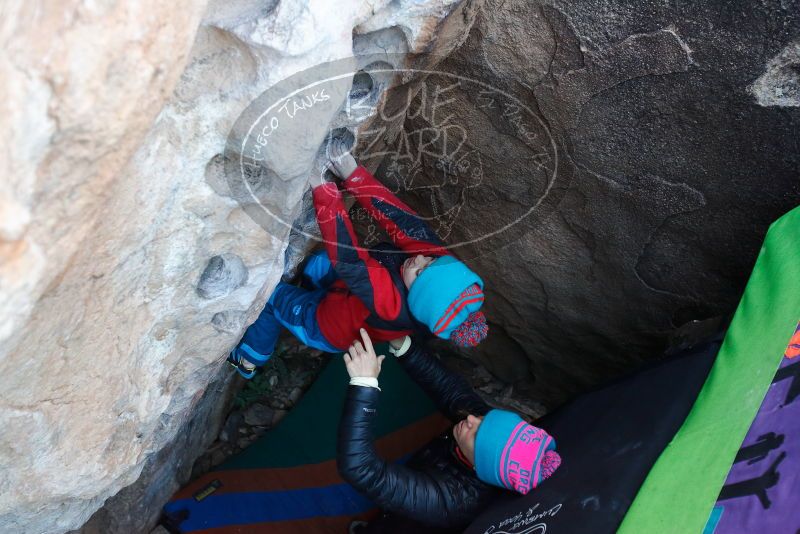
{"points": [[520, 461]]}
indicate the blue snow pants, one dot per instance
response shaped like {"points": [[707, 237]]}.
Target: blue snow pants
{"points": [[293, 308]]}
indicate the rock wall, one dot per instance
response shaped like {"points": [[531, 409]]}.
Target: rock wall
{"points": [[126, 270], [611, 179], [617, 171]]}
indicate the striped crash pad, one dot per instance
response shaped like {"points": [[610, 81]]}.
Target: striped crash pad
{"points": [[287, 482]]}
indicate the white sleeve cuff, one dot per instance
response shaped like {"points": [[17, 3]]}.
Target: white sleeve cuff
{"points": [[365, 381], [403, 348]]}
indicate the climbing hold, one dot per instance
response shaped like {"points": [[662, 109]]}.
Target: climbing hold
{"points": [[362, 85], [222, 275], [341, 133], [215, 175], [228, 321]]}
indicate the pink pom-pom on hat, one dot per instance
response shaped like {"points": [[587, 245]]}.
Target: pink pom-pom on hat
{"points": [[472, 331]]}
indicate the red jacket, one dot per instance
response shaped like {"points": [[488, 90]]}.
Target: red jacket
{"points": [[370, 292]]}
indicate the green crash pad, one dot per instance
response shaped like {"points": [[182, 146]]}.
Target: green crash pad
{"points": [[681, 489]]}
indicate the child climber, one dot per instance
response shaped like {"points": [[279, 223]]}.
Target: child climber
{"points": [[417, 288]]}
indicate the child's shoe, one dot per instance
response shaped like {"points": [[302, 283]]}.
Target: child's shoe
{"points": [[246, 361], [344, 164]]}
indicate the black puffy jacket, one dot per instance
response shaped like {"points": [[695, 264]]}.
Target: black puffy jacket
{"points": [[433, 487]]}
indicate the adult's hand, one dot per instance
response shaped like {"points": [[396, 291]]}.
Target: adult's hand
{"points": [[360, 358]]}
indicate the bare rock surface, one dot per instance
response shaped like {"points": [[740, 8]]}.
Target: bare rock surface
{"points": [[674, 173], [780, 83], [609, 168], [127, 272], [611, 180]]}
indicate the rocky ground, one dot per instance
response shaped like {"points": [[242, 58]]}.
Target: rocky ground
{"points": [[261, 403]]}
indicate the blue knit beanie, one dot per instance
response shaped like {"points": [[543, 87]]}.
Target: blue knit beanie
{"points": [[446, 297], [513, 454]]}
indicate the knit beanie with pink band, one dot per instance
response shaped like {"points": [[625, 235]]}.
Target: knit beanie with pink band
{"points": [[446, 297], [512, 454]]}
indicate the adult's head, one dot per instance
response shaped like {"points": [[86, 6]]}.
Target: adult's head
{"points": [[446, 296], [507, 452]]}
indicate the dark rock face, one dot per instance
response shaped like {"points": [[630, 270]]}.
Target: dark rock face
{"points": [[669, 163], [137, 507]]}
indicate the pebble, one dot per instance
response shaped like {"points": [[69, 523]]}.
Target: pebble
{"points": [[258, 415], [245, 442], [201, 466], [218, 456], [231, 424], [295, 395]]}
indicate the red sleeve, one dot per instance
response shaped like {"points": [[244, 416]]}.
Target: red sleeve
{"points": [[365, 277], [406, 229]]}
